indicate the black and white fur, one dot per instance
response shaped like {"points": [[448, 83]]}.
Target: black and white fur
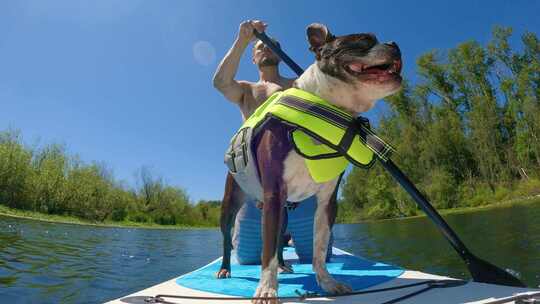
{"points": [[351, 72]]}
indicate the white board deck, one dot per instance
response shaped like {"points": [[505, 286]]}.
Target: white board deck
{"points": [[477, 293]]}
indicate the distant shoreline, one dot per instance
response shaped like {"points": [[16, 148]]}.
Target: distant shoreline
{"points": [[462, 210], [11, 212], [59, 219]]}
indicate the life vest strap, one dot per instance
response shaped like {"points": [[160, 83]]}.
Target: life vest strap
{"points": [[352, 126]]}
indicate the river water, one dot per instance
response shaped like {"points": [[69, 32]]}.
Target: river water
{"points": [[59, 263]]}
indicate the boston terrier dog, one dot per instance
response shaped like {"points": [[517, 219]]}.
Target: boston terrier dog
{"points": [[351, 72]]}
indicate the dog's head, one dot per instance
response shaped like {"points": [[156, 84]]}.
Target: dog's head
{"points": [[358, 61]]}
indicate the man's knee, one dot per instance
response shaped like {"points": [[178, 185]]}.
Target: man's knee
{"points": [[247, 235], [248, 256], [301, 228]]}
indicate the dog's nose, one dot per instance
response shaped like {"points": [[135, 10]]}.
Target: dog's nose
{"points": [[395, 46]]}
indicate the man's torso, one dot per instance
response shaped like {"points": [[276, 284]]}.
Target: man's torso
{"points": [[257, 93]]}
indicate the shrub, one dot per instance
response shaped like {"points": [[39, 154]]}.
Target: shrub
{"points": [[442, 189]]}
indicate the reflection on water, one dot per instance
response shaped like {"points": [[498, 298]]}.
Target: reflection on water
{"points": [[51, 263], [506, 237]]}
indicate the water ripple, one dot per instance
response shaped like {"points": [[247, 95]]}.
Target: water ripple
{"points": [[52, 263]]}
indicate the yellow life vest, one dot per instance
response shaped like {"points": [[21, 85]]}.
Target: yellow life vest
{"points": [[326, 136]]}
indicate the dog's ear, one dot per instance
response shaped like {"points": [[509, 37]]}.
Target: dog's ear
{"points": [[318, 34]]}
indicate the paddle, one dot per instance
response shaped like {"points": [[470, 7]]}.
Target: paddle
{"points": [[480, 270]]}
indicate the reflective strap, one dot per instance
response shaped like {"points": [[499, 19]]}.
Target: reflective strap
{"points": [[316, 110], [352, 126], [374, 142]]}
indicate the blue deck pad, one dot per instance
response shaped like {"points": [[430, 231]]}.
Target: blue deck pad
{"points": [[357, 272]]}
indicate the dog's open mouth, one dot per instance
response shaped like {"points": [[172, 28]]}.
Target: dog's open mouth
{"points": [[387, 68]]}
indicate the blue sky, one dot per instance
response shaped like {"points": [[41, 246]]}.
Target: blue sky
{"points": [[128, 82]]}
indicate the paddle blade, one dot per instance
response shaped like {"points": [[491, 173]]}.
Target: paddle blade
{"points": [[484, 272]]}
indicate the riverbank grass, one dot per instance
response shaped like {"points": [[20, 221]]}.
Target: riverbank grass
{"points": [[62, 219], [527, 201], [6, 211]]}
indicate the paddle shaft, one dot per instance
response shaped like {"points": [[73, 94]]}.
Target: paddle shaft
{"points": [[480, 270], [448, 233]]}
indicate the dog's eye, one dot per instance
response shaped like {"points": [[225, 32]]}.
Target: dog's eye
{"points": [[371, 36], [368, 37], [364, 41]]}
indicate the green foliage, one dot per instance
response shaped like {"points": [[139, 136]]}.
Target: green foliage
{"points": [[468, 134], [441, 188], [381, 201], [49, 181], [529, 188], [209, 212]]}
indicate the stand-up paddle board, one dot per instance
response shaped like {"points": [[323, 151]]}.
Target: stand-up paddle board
{"points": [[372, 282]]}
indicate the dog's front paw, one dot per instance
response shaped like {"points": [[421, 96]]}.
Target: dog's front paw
{"points": [[331, 286], [223, 273], [268, 292]]}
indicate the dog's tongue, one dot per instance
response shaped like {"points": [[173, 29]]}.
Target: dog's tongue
{"points": [[356, 66]]}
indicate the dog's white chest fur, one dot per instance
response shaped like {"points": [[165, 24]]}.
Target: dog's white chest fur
{"points": [[300, 184]]}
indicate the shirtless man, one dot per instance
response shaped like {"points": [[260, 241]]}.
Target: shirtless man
{"points": [[248, 96]]}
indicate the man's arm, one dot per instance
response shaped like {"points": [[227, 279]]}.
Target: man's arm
{"points": [[223, 79]]}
